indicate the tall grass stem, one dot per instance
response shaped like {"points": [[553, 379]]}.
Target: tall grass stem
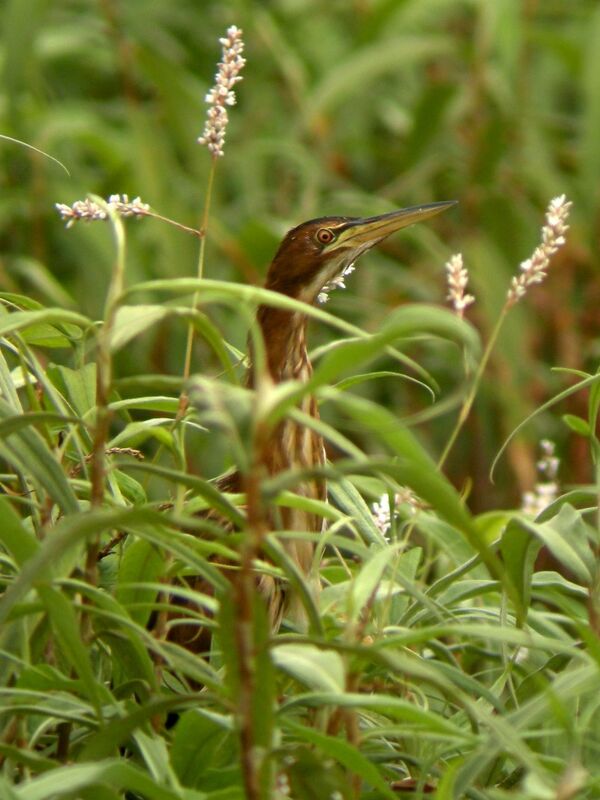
{"points": [[199, 271], [472, 393]]}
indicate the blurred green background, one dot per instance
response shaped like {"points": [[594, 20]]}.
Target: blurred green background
{"points": [[347, 107]]}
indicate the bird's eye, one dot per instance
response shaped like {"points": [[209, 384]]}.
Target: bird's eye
{"points": [[325, 236]]}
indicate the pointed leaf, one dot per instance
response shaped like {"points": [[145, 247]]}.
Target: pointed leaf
{"points": [[142, 561], [321, 670], [28, 452], [18, 540], [67, 631]]}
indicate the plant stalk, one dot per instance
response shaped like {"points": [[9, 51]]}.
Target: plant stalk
{"points": [[470, 398]]}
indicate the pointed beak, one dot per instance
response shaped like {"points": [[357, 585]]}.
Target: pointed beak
{"points": [[361, 234]]}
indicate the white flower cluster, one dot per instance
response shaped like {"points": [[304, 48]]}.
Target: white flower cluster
{"points": [[533, 270], [88, 210], [546, 489], [222, 95], [335, 283], [382, 514], [458, 278]]}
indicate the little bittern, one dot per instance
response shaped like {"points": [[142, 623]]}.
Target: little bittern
{"points": [[309, 259]]}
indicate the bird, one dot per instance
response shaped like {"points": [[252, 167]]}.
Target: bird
{"points": [[310, 260]]}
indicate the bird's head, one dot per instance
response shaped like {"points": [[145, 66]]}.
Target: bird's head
{"points": [[319, 251]]}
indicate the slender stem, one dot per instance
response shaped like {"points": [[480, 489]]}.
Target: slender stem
{"points": [[597, 477], [104, 369], [185, 228], [187, 365], [470, 398], [199, 272], [103, 413], [245, 632]]}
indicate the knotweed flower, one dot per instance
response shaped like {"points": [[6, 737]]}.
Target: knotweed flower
{"points": [[88, 210], [546, 489], [533, 270], [458, 278], [382, 514], [222, 95], [334, 283]]}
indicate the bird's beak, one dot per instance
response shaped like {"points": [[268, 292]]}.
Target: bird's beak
{"points": [[361, 234]]}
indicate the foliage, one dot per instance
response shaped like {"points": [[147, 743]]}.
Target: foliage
{"points": [[437, 660]]}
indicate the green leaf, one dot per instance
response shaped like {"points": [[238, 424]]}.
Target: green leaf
{"points": [[392, 707], [301, 584], [591, 381], [577, 424], [200, 744], [7, 792], [20, 301], [8, 386], [310, 775], [265, 686], [107, 739], [321, 670], [49, 336], [448, 539], [26, 758], [57, 552], [79, 386], [28, 452], [236, 293], [345, 495], [566, 536], [365, 584], [153, 750], [18, 540], [445, 789], [73, 779], [151, 403], [244, 636], [67, 632], [594, 406], [342, 753], [355, 380], [413, 467], [519, 550], [136, 433], [205, 489], [408, 321], [17, 422], [130, 321], [142, 561], [131, 489], [21, 320]]}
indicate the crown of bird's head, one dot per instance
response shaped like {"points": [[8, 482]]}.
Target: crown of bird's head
{"points": [[315, 253]]}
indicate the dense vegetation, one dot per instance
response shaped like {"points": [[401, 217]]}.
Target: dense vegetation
{"points": [[439, 659]]}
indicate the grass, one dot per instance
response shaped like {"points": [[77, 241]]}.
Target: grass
{"points": [[437, 658]]}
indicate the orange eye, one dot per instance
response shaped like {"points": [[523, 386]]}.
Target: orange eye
{"points": [[325, 236]]}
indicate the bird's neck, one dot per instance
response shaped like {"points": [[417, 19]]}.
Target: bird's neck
{"points": [[291, 444], [284, 337]]}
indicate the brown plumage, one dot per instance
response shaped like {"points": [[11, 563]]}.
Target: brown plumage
{"points": [[309, 259]]}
